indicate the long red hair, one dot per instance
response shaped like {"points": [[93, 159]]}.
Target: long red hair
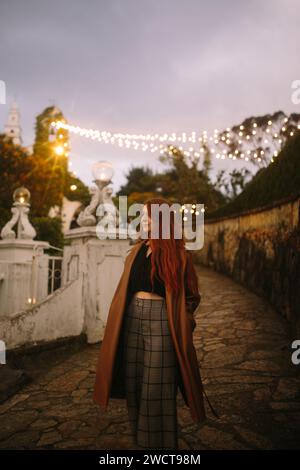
{"points": [[166, 261]]}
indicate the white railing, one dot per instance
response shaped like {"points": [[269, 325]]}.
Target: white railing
{"points": [[54, 270], [23, 284], [54, 273]]}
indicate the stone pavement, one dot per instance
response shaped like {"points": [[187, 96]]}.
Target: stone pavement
{"points": [[244, 354]]}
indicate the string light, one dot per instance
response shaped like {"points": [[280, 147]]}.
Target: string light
{"points": [[163, 143]]}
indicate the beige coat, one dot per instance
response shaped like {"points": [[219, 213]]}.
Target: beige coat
{"points": [[109, 381]]}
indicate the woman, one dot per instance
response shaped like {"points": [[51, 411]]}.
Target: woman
{"points": [[147, 349]]}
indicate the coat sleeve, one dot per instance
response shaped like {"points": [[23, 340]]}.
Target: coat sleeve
{"points": [[192, 296]]}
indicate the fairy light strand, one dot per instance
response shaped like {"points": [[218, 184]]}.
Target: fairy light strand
{"points": [[232, 143]]}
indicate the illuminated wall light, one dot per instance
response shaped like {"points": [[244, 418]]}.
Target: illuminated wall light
{"points": [[73, 187]]}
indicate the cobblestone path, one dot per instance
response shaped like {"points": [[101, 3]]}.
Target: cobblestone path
{"points": [[244, 354]]}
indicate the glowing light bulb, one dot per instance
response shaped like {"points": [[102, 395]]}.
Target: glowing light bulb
{"points": [[59, 150]]}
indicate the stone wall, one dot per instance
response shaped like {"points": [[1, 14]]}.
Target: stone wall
{"points": [[261, 249], [60, 315]]}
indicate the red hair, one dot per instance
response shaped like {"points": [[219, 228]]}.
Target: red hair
{"points": [[166, 260]]}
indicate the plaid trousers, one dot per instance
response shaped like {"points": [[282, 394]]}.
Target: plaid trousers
{"points": [[151, 374]]}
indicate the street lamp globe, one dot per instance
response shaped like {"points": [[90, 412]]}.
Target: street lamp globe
{"points": [[102, 171], [21, 195]]}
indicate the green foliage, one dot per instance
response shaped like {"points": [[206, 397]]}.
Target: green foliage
{"points": [[15, 166], [49, 230], [139, 180], [51, 168], [279, 180], [179, 183], [186, 183], [80, 194], [44, 173]]}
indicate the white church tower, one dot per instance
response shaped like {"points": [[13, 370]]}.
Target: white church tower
{"points": [[13, 125]]}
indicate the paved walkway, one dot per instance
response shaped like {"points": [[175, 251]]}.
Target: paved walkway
{"points": [[244, 353]]}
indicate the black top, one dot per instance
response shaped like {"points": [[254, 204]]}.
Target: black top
{"points": [[139, 278]]}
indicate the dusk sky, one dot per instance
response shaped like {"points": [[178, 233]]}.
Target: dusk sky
{"points": [[142, 66]]}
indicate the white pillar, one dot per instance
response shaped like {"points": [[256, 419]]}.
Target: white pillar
{"points": [[101, 262]]}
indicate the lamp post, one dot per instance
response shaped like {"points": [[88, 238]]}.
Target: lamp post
{"points": [[20, 210], [102, 172]]}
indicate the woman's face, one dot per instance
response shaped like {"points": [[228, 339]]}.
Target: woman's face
{"points": [[145, 220]]}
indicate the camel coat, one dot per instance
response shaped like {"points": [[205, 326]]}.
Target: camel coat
{"points": [[109, 382]]}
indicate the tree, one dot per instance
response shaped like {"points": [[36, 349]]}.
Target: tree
{"points": [[139, 180], [186, 183], [50, 153]]}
